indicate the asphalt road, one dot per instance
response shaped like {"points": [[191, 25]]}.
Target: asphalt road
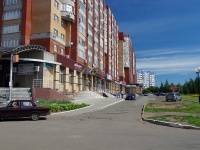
{"points": [[117, 127]]}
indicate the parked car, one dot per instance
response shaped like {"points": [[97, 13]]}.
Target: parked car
{"points": [[162, 94], [130, 96], [174, 96], [23, 108], [145, 94]]}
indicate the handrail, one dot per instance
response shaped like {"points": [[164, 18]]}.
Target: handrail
{"points": [[46, 84]]}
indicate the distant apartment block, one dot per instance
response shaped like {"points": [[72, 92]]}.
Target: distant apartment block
{"points": [[146, 78]]}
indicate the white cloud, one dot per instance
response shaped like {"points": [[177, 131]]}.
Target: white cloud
{"points": [[174, 62]]}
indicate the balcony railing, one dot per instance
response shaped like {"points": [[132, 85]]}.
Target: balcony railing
{"points": [[67, 16]]}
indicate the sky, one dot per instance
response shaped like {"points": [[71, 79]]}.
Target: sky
{"points": [[165, 35]]}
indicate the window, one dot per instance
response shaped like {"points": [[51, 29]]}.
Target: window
{"points": [[82, 30], [12, 2], [12, 14], [81, 41], [90, 27], [56, 4], [90, 38], [82, 18], [68, 8], [90, 59], [70, 76], [10, 43], [81, 53], [61, 78], [55, 32], [11, 29], [56, 19], [90, 48], [82, 7], [62, 37], [55, 47], [62, 51], [27, 104], [90, 17], [63, 24]]}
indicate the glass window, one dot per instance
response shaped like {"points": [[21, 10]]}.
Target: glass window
{"points": [[11, 29], [61, 79], [55, 47], [56, 19], [10, 43], [70, 76], [81, 53], [12, 14], [62, 51], [12, 2], [55, 32], [62, 37], [81, 41], [82, 7], [27, 104], [56, 4]]}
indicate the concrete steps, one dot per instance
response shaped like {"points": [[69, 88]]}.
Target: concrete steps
{"points": [[88, 94], [17, 93]]}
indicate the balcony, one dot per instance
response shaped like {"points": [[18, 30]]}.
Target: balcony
{"points": [[66, 15]]}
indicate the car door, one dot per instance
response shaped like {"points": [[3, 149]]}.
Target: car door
{"points": [[26, 108], [10, 111]]}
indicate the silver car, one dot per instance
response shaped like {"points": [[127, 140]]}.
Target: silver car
{"points": [[174, 96]]}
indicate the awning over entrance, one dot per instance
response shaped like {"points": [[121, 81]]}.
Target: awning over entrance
{"points": [[95, 72], [69, 63], [16, 50]]}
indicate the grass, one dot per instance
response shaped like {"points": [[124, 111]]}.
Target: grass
{"points": [[191, 97], [192, 120], [60, 105], [192, 107], [185, 108]]}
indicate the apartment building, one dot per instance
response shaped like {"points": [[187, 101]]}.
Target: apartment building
{"points": [[80, 38], [127, 63], [146, 78]]}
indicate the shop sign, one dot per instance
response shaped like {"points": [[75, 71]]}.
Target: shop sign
{"points": [[77, 66], [109, 77], [25, 69]]}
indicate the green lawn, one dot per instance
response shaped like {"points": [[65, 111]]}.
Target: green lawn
{"points": [[191, 97], [60, 105], [183, 107], [192, 107], [192, 120]]}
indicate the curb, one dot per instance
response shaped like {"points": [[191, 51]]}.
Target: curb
{"points": [[170, 124]]}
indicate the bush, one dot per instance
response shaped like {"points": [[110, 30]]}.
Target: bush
{"points": [[60, 105]]}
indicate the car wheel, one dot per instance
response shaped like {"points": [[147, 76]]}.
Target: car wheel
{"points": [[35, 116], [167, 100]]}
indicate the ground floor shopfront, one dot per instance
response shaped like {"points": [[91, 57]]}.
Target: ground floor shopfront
{"points": [[45, 70]]}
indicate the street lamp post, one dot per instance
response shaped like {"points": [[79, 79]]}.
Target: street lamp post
{"points": [[197, 72]]}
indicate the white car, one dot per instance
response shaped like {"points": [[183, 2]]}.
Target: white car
{"points": [[174, 96]]}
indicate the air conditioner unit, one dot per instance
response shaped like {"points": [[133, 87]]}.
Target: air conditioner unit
{"points": [[36, 68], [14, 69], [85, 61]]}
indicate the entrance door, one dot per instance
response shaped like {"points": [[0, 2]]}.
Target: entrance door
{"points": [[7, 79]]}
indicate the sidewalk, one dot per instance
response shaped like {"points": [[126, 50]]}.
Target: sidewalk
{"points": [[94, 104]]}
